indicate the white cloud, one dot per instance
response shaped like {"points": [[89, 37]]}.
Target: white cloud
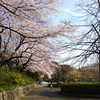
{"points": [[72, 12]]}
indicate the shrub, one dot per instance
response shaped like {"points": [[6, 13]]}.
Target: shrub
{"points": [[81, 88], [12, 78], [27, 79], [3, 77]]}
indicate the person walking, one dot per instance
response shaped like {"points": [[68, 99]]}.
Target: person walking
{"points": [[51, 86]]}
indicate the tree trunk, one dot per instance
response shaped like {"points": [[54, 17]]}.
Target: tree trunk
{"points": [[99, 66], [0, 41]]}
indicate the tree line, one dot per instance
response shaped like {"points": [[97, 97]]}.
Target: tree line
{"points": [[67, 73]]}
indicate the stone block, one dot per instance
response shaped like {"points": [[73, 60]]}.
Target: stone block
{"points": [[1, 96], [14, 94]]}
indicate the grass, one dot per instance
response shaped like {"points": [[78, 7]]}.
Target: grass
{"points": [[5, 87]]}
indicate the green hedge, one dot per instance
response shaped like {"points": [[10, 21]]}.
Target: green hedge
{"points": [[81, 88]]}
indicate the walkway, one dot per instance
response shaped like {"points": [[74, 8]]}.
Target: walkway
{"points": [[44, 93]]}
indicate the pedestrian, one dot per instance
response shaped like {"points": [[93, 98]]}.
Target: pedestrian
{"points": [[41, 82], [51, 86]]}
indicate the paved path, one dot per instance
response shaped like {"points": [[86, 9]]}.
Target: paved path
{"points": [[44, 93]]}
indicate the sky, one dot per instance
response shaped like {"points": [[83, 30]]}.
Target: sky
{"points": [[67, 11], [70, 13]]}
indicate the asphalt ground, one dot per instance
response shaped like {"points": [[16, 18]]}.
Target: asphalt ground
{"points": [[42, 92]]}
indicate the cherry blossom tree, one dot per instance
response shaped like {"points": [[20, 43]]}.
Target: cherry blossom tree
{"points": [[27, 30]]}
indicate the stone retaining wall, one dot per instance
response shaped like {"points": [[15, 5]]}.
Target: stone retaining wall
{"points": [[14, 94]]}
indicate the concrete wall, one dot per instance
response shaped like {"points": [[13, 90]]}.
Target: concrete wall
{"points": [[14, 94]]}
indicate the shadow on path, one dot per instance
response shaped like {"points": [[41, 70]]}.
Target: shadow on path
{"points": [[44, 93]]}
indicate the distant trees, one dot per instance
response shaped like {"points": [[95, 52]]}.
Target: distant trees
{"points": [[46, 78], [86, 75], [65, 69], [66, 73], [59, 73], [27, 30], [90, 72], [72, 76]]}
